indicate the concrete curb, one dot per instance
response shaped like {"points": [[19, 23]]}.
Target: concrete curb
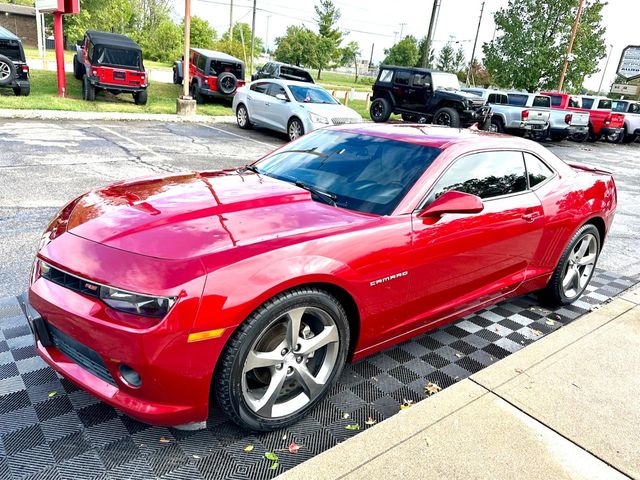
{"points": [[55, 115], [400, 448]]}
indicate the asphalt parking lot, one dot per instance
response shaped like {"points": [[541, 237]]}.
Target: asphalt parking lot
{"points": [[45, 164]]}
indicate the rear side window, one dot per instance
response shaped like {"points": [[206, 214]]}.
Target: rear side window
{"points": [[485, 174], [537, 170], [634, 108], [604, 104], [575, 102], [402, 78], [201, 62], [587, 103], [260, 87], [386, 75], [518, 100], [498, 99], [556, 100], [541, 101], [276, 90]]}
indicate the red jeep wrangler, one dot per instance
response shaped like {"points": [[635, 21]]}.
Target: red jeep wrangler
{"points": [[110, 62], [602, 121], [212, 74]]}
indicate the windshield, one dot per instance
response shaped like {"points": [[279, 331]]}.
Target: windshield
{"points": [[445, 81], [619, 106], [363, 173], [117, 57], [311, 95]]}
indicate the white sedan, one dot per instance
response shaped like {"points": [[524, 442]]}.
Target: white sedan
{"points": [[294, 108]]}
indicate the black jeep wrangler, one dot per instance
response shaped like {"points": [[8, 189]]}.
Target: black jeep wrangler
{"points": [[283, 71], [14, 72], [423, 96]]}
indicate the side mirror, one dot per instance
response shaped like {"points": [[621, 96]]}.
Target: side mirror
{"points": [[452, 202], [282, 96]]}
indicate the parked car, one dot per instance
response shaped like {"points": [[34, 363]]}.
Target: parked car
{"points": [[631, 112], [14, 71], [111, 63], [514, 113], [294, 108], [421, 95], [254, 286], [212, 74], [601, 122], [283, 71]]}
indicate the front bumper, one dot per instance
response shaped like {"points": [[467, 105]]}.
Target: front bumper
{"points": [[480, 115]]}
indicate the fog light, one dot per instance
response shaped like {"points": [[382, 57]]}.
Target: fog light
{"points": [[129, 375]]}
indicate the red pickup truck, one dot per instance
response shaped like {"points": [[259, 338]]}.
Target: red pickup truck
{"points": [[602, 122]]}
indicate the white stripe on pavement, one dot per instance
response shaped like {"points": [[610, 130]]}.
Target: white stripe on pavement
{"points": [[270, 145], [133, 142]]}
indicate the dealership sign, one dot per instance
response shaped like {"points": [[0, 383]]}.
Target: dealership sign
{"points": [[58, 6], [629, 66], [624, 89]]}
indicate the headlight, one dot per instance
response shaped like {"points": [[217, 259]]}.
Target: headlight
{"points": [[318, 118], [135, 303]]}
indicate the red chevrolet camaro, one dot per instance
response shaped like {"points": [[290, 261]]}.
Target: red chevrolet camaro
{"points": [[256, 285]]}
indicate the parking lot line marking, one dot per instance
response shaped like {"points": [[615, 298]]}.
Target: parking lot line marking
{"points": [[133, 142], [239, 136]]}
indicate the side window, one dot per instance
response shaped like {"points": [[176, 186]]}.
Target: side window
{"points": [[386, 75], [556, 100], [587, 103], [402, 78], [260, 87], [574, 102], [605, 104], [537, 171], [420, 79], [498, 99], [275, 89], [493, 98], [634, 108], [518, 100], [201, 62], [541, 101], [271, 68], [485, 174]]}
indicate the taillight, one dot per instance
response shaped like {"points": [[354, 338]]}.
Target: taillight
{"points": [[94, 72], [608, 120], [25, 68], [525, 114], [567, 118]]}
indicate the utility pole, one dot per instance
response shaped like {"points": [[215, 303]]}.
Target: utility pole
{"points": [[432, 28], [253, 36], [395, 37], [475, 43], [371, 56], [402, 29], [231, 22], [563, 73], [267, 40], [605, 68], [187, 38]]}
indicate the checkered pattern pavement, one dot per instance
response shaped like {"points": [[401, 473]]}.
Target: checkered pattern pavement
{"points": [[50, 429]]}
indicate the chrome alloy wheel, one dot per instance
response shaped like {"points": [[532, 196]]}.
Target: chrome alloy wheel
{"points": [[580, 266], [295, 130], [290, 363], [242, 117], [5, 71]]}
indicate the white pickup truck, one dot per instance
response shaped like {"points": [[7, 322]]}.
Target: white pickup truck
{"points": [[631, 112], [518, 116]]}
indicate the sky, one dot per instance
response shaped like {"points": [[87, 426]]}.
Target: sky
{"points": [[379, 23]]}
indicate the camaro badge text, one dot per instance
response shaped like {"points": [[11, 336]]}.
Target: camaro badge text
{"points": [[390, 277]]}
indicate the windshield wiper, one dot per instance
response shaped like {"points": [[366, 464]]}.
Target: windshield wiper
{"points": [[251, 168], [328, 198], [312, 151]]}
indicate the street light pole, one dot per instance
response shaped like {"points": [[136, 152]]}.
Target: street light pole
{"points": [[187, 37], [432, 28], [253, 36], [267, 41], [475, 42], [605, 68], [570, 49]]}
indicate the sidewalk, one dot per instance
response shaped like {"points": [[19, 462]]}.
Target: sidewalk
{"points": [[567, 406]]}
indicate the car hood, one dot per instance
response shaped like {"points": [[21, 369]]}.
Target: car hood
{"points": [[331, 111], [460, 93], [190, 215]]}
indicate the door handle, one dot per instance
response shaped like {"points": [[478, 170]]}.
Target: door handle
{"points": [[267, 103], [530, 217], [249, 97]]}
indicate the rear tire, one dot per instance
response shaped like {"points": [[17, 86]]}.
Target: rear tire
{"points": [[614, 137], [22, 91], [447, 117], [242, 117], [579, 137], [380, 110], [141, 97], [260, 382], [575, 268], [77, 68], [88, 90], [539, 135]]}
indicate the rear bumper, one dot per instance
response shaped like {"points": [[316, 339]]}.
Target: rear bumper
{"points": [[207, 92], [115, 87], [611, 131]]}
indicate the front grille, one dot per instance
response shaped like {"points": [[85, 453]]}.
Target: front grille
{"points": [[69, 281], [81, 354], [477, 103], [342, 120]]}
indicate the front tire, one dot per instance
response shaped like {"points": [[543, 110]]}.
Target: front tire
{"points": [[295, 129], [380, 110], [575, 268], [77, 68], [283, 359], [496, 125], [448, 117], [242, 117]]}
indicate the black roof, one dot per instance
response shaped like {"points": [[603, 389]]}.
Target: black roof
{"points": [[112, 39], [417, 69]]}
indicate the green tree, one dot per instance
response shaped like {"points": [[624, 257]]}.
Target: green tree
{"points": [[116, 16], [480, 75], [532, 43], [349, 56], [202, 34], [164, 43], [450, 60], [240, 45], [422, 51], [28, 3], [297, 47], [403, 53], [330, 37]]}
